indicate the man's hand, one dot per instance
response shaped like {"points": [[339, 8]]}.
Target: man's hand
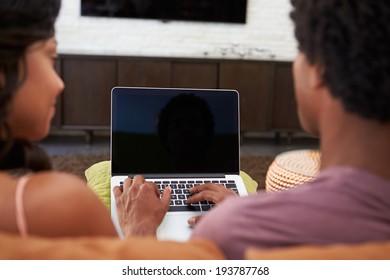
{"points": [[211, 192], [140, 209]]}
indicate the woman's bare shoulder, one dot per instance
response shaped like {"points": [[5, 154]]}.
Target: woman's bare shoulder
{"points": [[57, 185], [56, 177], [61, 204]]}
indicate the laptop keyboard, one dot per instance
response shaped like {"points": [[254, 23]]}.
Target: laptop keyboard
{"points": [[180, 193]]}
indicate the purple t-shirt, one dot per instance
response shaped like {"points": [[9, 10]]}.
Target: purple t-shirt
{"points": [[342, 205]]}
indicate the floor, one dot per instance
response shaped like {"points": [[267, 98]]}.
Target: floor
{"points": [[251, 144]]}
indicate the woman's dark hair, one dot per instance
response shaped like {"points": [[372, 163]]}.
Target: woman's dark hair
{"points": [[22, 23], [349, 40]]}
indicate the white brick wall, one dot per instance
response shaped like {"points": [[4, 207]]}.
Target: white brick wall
{"points": [[267, 35]]}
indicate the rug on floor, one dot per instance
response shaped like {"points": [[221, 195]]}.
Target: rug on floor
{"points": [[255, 166]]}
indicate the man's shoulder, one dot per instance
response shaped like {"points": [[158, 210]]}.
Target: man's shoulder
{"points": [[338, 184], [333, 178]]}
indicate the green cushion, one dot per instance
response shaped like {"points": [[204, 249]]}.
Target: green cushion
{"points": [[99, 176]]}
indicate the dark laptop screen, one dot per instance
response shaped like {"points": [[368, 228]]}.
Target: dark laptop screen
{"points": [[174, 131]]}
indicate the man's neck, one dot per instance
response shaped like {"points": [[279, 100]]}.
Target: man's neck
{"points": [[347, 139]]}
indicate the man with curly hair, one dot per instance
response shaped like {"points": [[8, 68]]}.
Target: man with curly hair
{"points": [[342, 87]]}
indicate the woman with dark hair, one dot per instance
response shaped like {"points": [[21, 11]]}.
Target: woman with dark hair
{"points": [[33, 199]]}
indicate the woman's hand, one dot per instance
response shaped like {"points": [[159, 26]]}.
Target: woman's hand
{"points": [[139, 206], [211, 192]]}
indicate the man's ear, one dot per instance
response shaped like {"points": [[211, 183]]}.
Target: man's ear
{"points": [[316, 80]]}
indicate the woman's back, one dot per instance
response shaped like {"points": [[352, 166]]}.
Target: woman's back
{"points": [[54, 204]]}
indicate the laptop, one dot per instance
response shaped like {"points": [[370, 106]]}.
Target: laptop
{"points": [[178, 137]]}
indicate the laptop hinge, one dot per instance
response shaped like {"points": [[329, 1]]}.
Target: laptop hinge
{"points": [[197, 175]]}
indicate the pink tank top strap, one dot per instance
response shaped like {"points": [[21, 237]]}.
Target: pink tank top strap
{"points": [[20, 213]]}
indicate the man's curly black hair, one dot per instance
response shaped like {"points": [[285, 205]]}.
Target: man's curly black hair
{"points": [[349, 40]]}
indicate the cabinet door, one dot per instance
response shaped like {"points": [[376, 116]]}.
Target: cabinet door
{"points": [[87, 93], [284, 109], [194, 75], [144, 73], [253, 82]]}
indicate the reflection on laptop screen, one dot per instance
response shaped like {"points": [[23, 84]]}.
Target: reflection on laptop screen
{"points": [[175, 131]]}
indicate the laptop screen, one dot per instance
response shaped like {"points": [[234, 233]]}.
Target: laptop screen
{"points": [[174, 131]]}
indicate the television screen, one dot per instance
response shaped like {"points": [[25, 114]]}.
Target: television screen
{"points": [[227, 11]]}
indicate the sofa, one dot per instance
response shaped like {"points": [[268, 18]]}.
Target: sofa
{"points": [[14, 247]]}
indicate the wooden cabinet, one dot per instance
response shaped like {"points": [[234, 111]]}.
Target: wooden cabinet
{"points": [[194, 75], [138, 73], [87, 95], [284, 115], [266, 87], [253, 82]]}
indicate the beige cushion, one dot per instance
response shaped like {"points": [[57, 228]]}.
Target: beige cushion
{"points": [[292, 168]]}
